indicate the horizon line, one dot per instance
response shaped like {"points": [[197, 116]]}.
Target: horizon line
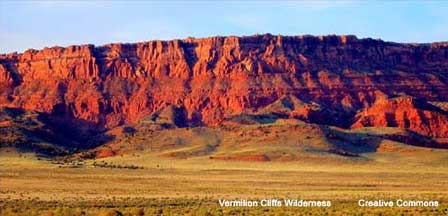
{"points": [[224, 36]]}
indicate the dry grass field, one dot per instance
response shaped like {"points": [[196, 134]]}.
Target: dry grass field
{"points": [[156, 185]]}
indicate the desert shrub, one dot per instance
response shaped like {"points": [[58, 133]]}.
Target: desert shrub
{"points": [[103, 164], [109, 212]]}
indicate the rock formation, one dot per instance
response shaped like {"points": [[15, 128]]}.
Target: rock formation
{"points": [[405, 112], [213, 78]]}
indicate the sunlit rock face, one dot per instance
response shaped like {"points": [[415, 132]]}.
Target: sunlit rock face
{"points": [[405, 112], [210, 79]]}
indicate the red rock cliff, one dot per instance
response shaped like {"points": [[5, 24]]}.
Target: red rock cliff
{"points": [[213, 78], [405, 112]]}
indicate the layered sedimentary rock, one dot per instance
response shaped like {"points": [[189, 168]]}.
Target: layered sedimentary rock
{"points": [[213, 78], [405, 112]]}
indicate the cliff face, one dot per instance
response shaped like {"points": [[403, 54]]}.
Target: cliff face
{"points": [[214, 78], [405, 112]]}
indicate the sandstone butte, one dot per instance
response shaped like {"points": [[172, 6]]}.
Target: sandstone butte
{"points": [[347, 81]]}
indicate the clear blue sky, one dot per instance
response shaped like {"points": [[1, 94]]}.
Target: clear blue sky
{"points": [[34, 24]]}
